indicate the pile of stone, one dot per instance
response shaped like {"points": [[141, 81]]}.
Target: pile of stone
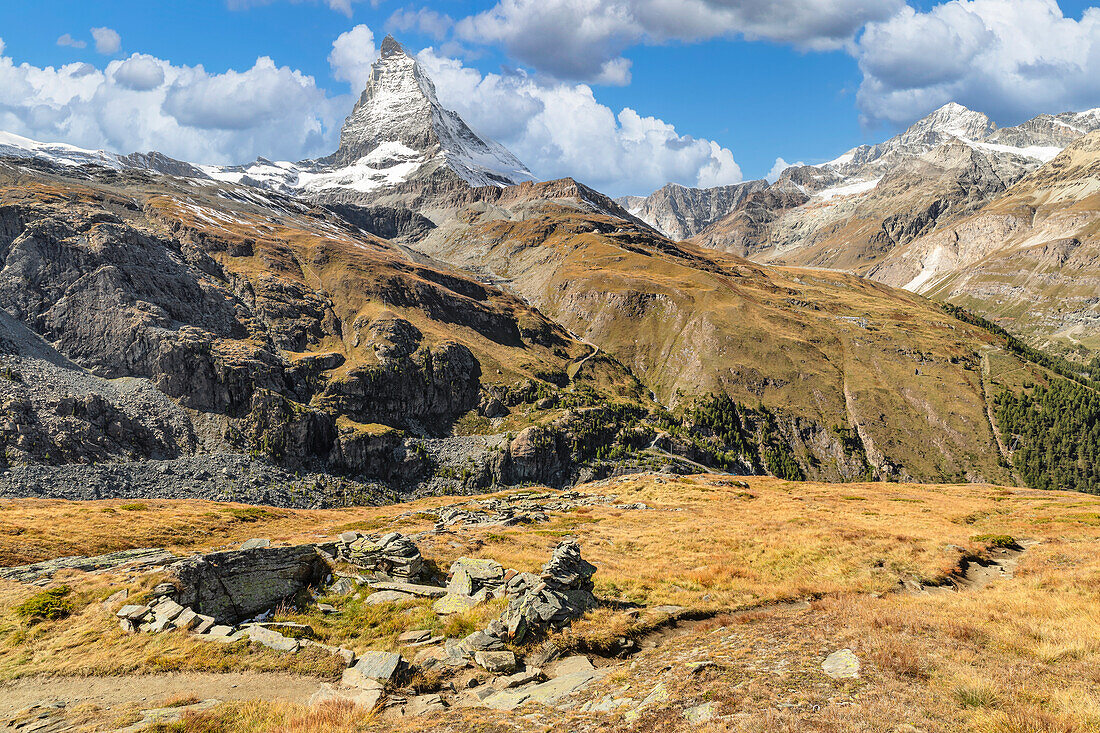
{"points": [[392, 555], [561, 593], [163, 615], [537, 603]]}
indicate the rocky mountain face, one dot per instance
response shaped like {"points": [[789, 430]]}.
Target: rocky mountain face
{"points": [[150, 317], [1030, 259], [680, 212], [397, 140], [849, 212]]}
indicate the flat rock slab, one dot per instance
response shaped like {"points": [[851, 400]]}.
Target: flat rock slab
{"points": [[367, 698], [546, 693], [414, 637], [379, 666], [272, 639], [133, 612], [841, 665], [388, 596], [423, 704], [427, 591], [526, 677], [572, 665], [502, 662], [147, 557], [453, 603]]}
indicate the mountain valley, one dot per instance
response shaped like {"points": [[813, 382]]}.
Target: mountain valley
{"points": [[404, 438]]}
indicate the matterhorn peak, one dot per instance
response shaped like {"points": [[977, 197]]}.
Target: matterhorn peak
{"points": [[391, 47], [399, 119]]}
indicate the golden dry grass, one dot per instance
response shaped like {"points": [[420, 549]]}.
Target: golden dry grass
{"points": [[1022, 652]]}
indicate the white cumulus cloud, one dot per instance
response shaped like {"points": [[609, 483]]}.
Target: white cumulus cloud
{"points": [[352, 54], [144, 103], [559, 129], [1011, 59], [585, 39], [107, 41], [140, 73]]}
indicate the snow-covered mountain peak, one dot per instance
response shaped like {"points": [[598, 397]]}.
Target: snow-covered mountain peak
{"points": [[399, 105], [950, 120]]}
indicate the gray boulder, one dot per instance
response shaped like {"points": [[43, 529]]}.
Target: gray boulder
{"points": [[235, 585]]}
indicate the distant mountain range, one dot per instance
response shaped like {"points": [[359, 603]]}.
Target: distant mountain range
{"points": [[404, 310], [869, 211]]}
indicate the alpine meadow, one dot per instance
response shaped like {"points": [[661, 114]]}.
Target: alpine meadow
{"points": [[487, 398]]}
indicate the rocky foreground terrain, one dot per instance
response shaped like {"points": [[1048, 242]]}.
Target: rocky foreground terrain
{"points": [[693, 603]]}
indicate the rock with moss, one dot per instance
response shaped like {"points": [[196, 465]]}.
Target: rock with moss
{"points": [[393, 555]]}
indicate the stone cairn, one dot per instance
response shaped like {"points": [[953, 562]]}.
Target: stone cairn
{"points": [[392, 555], [550, 600]]}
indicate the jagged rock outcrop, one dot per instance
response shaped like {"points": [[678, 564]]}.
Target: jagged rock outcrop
{"points": [[388, 222], [680, 212], [540, 454], [421, 390], [235, 585]]}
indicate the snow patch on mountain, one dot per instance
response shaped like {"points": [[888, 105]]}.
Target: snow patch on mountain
{"points": [[16, 146], [397, 132], [847, 189]]}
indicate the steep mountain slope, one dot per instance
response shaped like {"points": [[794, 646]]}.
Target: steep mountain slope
{"points": [[397, 139], [851, 211], [862, 378], [278, 327], [1029, 260], [680, 212]]}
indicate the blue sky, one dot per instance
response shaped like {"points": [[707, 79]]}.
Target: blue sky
{"points": [[760, 81]]}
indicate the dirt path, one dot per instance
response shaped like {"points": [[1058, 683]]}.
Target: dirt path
{"points": [[152, 690]]}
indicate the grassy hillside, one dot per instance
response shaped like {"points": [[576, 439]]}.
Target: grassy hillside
{"points": [[1003, 654], [830, 354]]}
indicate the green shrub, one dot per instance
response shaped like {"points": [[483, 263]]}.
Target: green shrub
{"points": [[996, 540], [47, 605]]}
